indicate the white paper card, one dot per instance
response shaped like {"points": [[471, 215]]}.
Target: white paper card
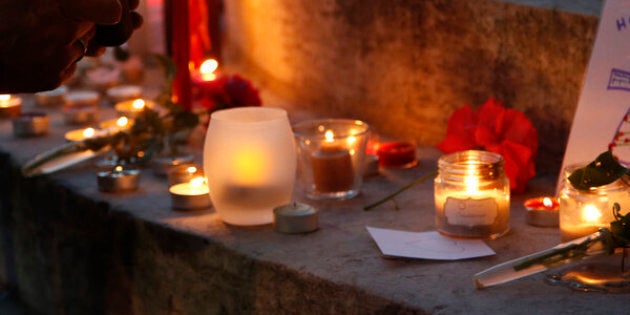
{"points": [[427, 245], [605, 96]]}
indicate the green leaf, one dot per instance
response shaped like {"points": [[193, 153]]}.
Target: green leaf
{"points": [[604, 170]]}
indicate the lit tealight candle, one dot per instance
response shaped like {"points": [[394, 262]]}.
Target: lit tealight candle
{"points": [[80, 134], [123, 93], [120, 123], [132, 108], [397, 154], [81, 107], [120, 179], [10, 106], [183, 173], [542, 211], [191, 195], [54, 97]]}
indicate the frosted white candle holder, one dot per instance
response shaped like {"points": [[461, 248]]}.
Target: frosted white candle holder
{"points": [[250, 162]]}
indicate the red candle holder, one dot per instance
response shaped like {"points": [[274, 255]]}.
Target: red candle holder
{"points": [[397, 154]]}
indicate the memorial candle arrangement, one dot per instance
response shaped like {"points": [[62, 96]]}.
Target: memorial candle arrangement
{"points": [[249, 160], [331, 156], [472, 195], [583, 212]]}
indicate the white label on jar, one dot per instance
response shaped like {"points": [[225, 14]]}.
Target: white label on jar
{"points": [[470, 212]]}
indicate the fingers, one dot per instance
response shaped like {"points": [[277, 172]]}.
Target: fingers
{"points": [[114, 35], [96, 11]]}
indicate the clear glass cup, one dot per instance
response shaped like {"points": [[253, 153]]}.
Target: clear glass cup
{"points": [[472, 195], [331, 156], [250, 163]]}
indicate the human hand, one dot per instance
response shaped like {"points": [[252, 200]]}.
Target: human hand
{"points": [[41, 40]]}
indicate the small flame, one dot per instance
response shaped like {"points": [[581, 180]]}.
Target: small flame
{"points": [[547, 202], [329, 135], [197, 182], [122, 121], [207, 69], [5, 97], [191, 170], [118, 168], [138, 104], [89, 132], [591, 214]]}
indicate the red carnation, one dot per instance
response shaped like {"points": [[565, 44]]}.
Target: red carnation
{"points": [[496, 129]]}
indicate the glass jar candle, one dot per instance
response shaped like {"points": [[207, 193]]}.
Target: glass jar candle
{"points": [[583, 212], [472, 195]]}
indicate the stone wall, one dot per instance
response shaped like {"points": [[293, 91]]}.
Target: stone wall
{"points": [[404, 65]]}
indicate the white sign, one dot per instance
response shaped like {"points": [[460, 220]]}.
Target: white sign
{"points": [[605, 97]]}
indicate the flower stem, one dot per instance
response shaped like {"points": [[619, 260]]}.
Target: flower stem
{"points": [[402, 189]]}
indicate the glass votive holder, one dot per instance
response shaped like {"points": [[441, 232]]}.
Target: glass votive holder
{"points": [[250, 162], [583, 212], [472, 195], [331, 157], [30, 124]]}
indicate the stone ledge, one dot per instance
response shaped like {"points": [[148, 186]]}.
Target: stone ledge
{"points": [[79, 251]]}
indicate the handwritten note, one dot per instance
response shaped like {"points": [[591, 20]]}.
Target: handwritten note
{"points": [[427, 245]]}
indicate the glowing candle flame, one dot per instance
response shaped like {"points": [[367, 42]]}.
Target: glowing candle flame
{"points": [[591, 214], [138, 104], [471, 180], [89, 132], [197, 184], [118, 168], [547, 202], [329, 136], [4, 100], [207, 69], [191, 170], [122, 121]]}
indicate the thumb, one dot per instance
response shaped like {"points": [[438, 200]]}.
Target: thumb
{"points": [[96, 11]]}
